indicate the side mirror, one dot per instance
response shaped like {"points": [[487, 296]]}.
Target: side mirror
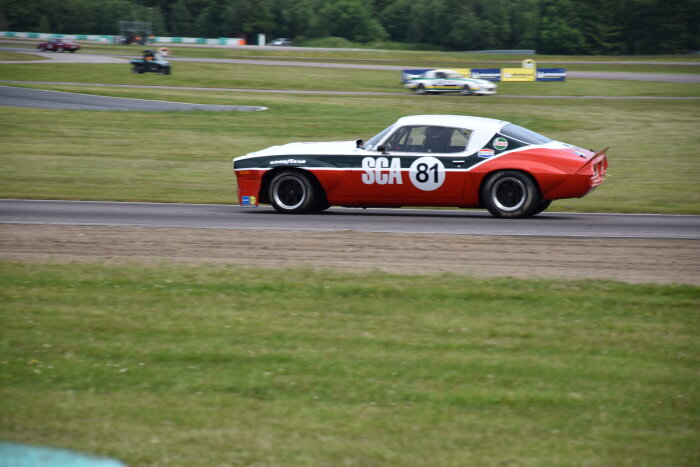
{"points": [[360, 144], [383, 149]]}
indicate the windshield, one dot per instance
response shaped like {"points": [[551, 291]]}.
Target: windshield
{"points": [[524, 135], [369, 145]]}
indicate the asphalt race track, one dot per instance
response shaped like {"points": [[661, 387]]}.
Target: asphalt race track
{"points": [[415, 221], [38, 98]]}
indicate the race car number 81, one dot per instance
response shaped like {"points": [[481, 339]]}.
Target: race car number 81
{"points": [[427, 173]]}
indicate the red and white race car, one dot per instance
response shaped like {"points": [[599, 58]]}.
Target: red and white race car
{"points": [[423, 160]]}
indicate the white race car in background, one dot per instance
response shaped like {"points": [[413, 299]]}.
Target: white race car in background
{"points": [[437, 81]]}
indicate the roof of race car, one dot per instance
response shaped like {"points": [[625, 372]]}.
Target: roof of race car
{"points": [[478, 124]]}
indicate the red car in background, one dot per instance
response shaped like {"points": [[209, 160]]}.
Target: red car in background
{"points": [[58, 45]]}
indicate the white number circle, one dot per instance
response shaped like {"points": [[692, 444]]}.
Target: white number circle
{"points": [[427, 173]]}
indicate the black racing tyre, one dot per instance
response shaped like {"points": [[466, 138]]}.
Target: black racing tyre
{"points": [[71, 50], [321, 205], [544, 204], [293, 192], [465, 91], [510, 194], [421, 89], [60, 49], [138, 69], [42, 49]]}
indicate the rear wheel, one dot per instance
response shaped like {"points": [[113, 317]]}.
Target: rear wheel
{"points": [[542, 206], [420, 89], [510, 194], [138, 69], [465, 91], [60, 49], [293, 192], [42, 49]]}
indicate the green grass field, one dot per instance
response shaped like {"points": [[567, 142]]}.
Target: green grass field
{"points": [[222, 365], [167, 365]]}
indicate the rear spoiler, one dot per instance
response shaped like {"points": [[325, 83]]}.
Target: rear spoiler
{"points": [[597, 157], [601, 152], [600, 163]]}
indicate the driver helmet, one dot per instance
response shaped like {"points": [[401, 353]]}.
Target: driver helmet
{"points": [[433, 132]]}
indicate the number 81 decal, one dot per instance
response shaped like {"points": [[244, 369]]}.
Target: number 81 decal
{"points": [[427, 173]]}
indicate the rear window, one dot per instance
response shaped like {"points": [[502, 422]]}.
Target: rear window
{"points": [[523, 134]]}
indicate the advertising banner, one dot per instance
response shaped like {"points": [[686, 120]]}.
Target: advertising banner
{"points": [[410, 74], [551, 74], [489, 74], [518, 74]]}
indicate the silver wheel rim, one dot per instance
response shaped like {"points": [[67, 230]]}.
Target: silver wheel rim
{"points": [[508, 194], [289, 192]]}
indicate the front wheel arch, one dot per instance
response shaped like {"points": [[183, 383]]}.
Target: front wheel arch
{"points": [[510, 194], [320, 199]]}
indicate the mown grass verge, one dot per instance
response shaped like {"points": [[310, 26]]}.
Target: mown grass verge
{"points": [[208, 365]]}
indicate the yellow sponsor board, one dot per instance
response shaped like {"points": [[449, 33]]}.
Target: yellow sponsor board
{"points": [[464, 71], [517, 74]]}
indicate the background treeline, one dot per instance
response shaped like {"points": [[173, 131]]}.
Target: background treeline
{"points": [[549, 26]]}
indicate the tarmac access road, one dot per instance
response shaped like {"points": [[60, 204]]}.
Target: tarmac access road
{"points": [[42, 99]]}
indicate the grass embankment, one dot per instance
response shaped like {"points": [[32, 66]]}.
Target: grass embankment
{"points": [[186, 157], [191, 366]]}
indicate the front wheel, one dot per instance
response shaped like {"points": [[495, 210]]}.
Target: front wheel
{"points": [[421, 89], [292, 192], [465, 91], [138, 69], [510, 194]]}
